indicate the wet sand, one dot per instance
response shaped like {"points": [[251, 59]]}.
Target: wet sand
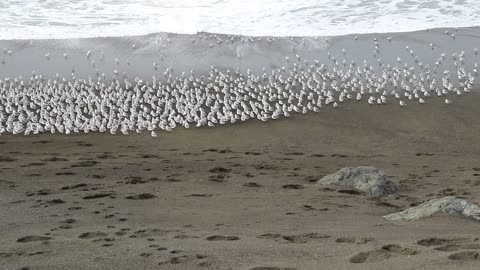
{"points": [[244, 196], [134, 56]]}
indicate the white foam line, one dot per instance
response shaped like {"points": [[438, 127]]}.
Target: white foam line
{"points": [[96, 18]]}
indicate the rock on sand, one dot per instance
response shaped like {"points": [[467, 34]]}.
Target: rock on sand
{"points": [[367, 179], [449, 205]]}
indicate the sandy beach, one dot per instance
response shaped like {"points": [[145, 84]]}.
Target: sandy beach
{"points": [[244, 196]]}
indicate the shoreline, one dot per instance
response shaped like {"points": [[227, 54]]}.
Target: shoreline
{"points": [[244, 52], [473, 27]]}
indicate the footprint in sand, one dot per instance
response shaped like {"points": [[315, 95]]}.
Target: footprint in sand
{"points": [[210, 150], [10, 184], [186, 258], [147, 233], [465, 256], [307, 207], [269, 236], [175, 260], [370, 256], [54, 159], [399, 250], [84, 144], [454, 244], [456, 247], [272, 268], [6, 254], [252, 184], [184, 236], [265, 167], [219, 178], [91, 235], [99, 195], [40, 142], [141, 196], [434, 241], [32, 238], [33, 164], [146, 254], [294, 154], [222, 238], [304, 238], [41, 192], [353, 240], [65, 173], [293, 186], [134, 180], [387, 204], [251, 153], [55, 201], [146, 156], [346, 240], [220, 170], [83, 164], [350, 191], [38, 253], [199, 195], [381, 254], [7, 159], [74, 186]]}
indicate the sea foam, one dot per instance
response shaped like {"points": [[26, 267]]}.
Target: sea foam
{"points": [[94, 18]]}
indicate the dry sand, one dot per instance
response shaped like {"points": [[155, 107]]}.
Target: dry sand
{"points": [[242, 196]]}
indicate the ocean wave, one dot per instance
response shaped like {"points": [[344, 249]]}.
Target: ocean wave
{"points": [[95, 18]]}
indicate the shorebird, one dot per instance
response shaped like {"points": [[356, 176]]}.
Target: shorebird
{"points": [[221, 96]]}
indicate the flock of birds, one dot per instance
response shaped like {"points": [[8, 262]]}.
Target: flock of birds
{"points": [[38, 104]]}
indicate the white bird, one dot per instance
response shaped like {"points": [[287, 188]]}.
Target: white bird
{"points": [[220, 96]]}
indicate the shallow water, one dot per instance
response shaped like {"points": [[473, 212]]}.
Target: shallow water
{"points": [[89, 18]]}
